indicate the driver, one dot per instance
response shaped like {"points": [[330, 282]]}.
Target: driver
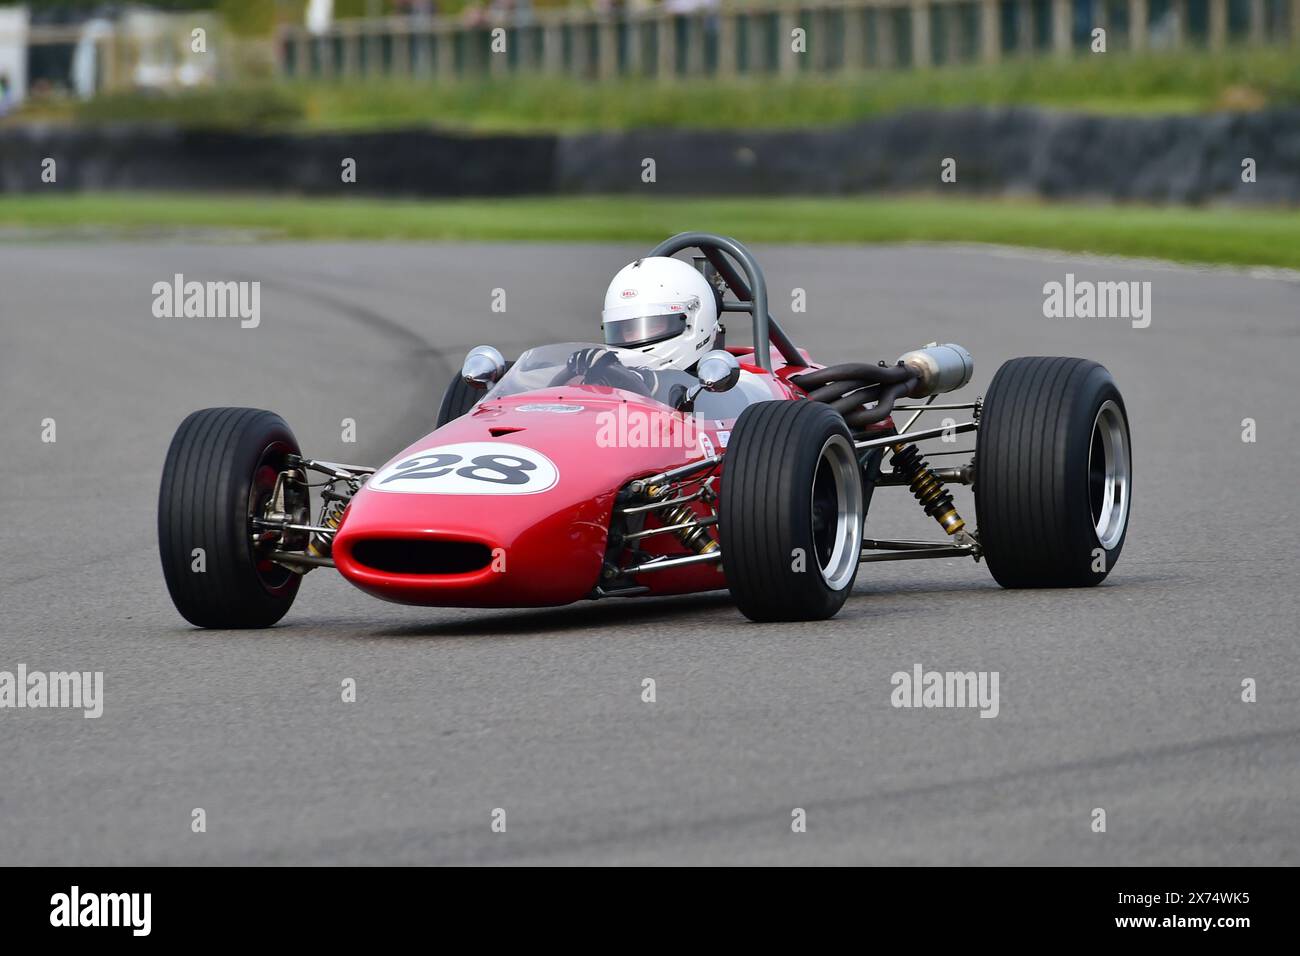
{"points": [[659, 306]]}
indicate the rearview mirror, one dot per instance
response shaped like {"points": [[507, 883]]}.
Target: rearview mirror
{"points": [[718, 371], [483, 367]]}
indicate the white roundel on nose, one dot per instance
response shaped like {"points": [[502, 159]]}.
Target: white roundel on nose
{"points": [[469, 468]]}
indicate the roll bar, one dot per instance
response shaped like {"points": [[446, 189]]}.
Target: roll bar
{"points": [[750, 288]]}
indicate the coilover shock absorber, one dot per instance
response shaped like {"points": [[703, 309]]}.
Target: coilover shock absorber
{"points": [[696, 538], [320, 545], [926, 486]]}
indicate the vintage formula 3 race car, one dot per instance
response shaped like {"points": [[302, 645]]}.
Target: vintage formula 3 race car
{"points": [[558, 477]]}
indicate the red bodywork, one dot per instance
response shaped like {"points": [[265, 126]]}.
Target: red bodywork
{"points": [[547, 547]]}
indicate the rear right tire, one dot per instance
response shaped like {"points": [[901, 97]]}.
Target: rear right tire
{"points": [[459, 399]]}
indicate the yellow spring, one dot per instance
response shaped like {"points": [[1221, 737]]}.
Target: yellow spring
{"points": [[928, 489], [697, 539], [320, 544]]}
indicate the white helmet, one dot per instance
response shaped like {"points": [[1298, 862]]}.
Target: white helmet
{"points": [[662, 306]]}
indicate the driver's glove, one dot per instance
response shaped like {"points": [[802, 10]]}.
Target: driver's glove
{"points": [[583, 361]]}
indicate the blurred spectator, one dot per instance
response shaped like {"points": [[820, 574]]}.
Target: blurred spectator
{"points": [[690, 6], [6, 99], [514, 12], [419, 10], [474, 14]]}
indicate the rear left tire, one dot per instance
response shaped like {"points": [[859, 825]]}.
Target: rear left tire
{"points": [[1053, 473]]}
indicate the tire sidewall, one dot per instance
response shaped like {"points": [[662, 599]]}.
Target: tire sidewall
{"points": [[1095, 390], [208, 477], [768, 543], [1032, 482], [854, 492], [457, 399]]}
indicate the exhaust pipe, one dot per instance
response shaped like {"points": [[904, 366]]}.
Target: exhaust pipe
{"points": [[938, 368]]}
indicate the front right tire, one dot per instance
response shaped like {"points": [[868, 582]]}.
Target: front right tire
{"points": [[219, 473]]}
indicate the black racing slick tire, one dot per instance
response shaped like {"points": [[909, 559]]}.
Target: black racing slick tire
{"points": [[220, 471], [1053, 473], [458, 398], [791, 511]]}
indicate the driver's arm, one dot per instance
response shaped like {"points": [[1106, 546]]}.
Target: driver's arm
{"points": [[599, 366]]}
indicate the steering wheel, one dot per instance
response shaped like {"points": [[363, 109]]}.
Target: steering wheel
{"points": [[599, 366]]}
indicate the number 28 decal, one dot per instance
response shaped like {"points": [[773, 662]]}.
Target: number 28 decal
{"points": [[469, 468]]}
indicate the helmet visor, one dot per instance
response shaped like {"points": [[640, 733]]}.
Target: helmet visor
{"points": [[636, 325]]}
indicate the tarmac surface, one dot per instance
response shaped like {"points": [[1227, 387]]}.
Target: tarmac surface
{"points": [[1126, 697]]}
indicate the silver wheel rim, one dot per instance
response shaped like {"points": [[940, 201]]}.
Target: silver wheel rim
{"points": [[837, 543], [1109, 470]]}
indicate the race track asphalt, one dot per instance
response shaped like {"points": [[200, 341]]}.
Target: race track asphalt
{"points": [[1126, 697]]}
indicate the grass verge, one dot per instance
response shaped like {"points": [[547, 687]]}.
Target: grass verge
{"points": [[1220, 235]]}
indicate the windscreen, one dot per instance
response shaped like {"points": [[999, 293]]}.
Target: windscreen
{"points": [[553, 366]]}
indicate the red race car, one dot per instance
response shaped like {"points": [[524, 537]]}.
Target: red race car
{"points": [[648, 465]]}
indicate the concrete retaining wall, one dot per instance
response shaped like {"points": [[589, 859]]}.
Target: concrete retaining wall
{"points": [[1017, 152], [400, 163]]}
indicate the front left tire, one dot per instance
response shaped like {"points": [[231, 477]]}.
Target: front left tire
{"points": [[791, 512]]}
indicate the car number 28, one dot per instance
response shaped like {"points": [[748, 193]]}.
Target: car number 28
{"points": [[469, 468]]}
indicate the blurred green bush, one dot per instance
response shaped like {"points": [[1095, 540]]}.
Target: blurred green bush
{"points": [[1169, 83]]}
